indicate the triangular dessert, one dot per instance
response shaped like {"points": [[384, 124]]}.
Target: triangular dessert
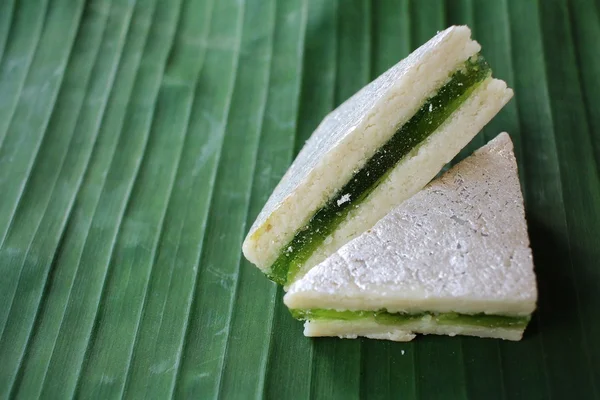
{"points": [[453, 259], [375, 150]]}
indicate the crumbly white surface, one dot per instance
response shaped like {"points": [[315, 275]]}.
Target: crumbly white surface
{"points": [[349, 136], [418, 168], [405, 332], [459, 245]]}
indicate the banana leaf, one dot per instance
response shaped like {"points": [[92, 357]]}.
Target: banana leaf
{"points": [[140, 139]]}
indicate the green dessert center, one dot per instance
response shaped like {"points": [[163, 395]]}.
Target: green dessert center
{"points": [[407, 138], [385, 318]]}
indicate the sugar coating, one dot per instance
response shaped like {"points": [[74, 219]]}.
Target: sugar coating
{"points": [[459, 245], [349, 136]]}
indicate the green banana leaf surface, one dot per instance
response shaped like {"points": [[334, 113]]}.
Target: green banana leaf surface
{"points": [[140, 139]]}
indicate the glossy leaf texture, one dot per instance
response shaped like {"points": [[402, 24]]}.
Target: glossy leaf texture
{"points": [[140, 139]]}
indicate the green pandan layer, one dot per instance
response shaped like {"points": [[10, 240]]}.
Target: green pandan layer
{"points": [[386, 318], [408, 138]]}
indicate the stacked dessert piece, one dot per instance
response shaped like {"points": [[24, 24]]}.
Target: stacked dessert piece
{"points": [[363, 249]]}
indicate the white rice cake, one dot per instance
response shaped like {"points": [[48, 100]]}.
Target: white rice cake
{"points": [[353, 132], [460, 245]]}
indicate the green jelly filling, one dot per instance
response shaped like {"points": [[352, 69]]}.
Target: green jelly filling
{"points": [[406, 139], [386, 318]]}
